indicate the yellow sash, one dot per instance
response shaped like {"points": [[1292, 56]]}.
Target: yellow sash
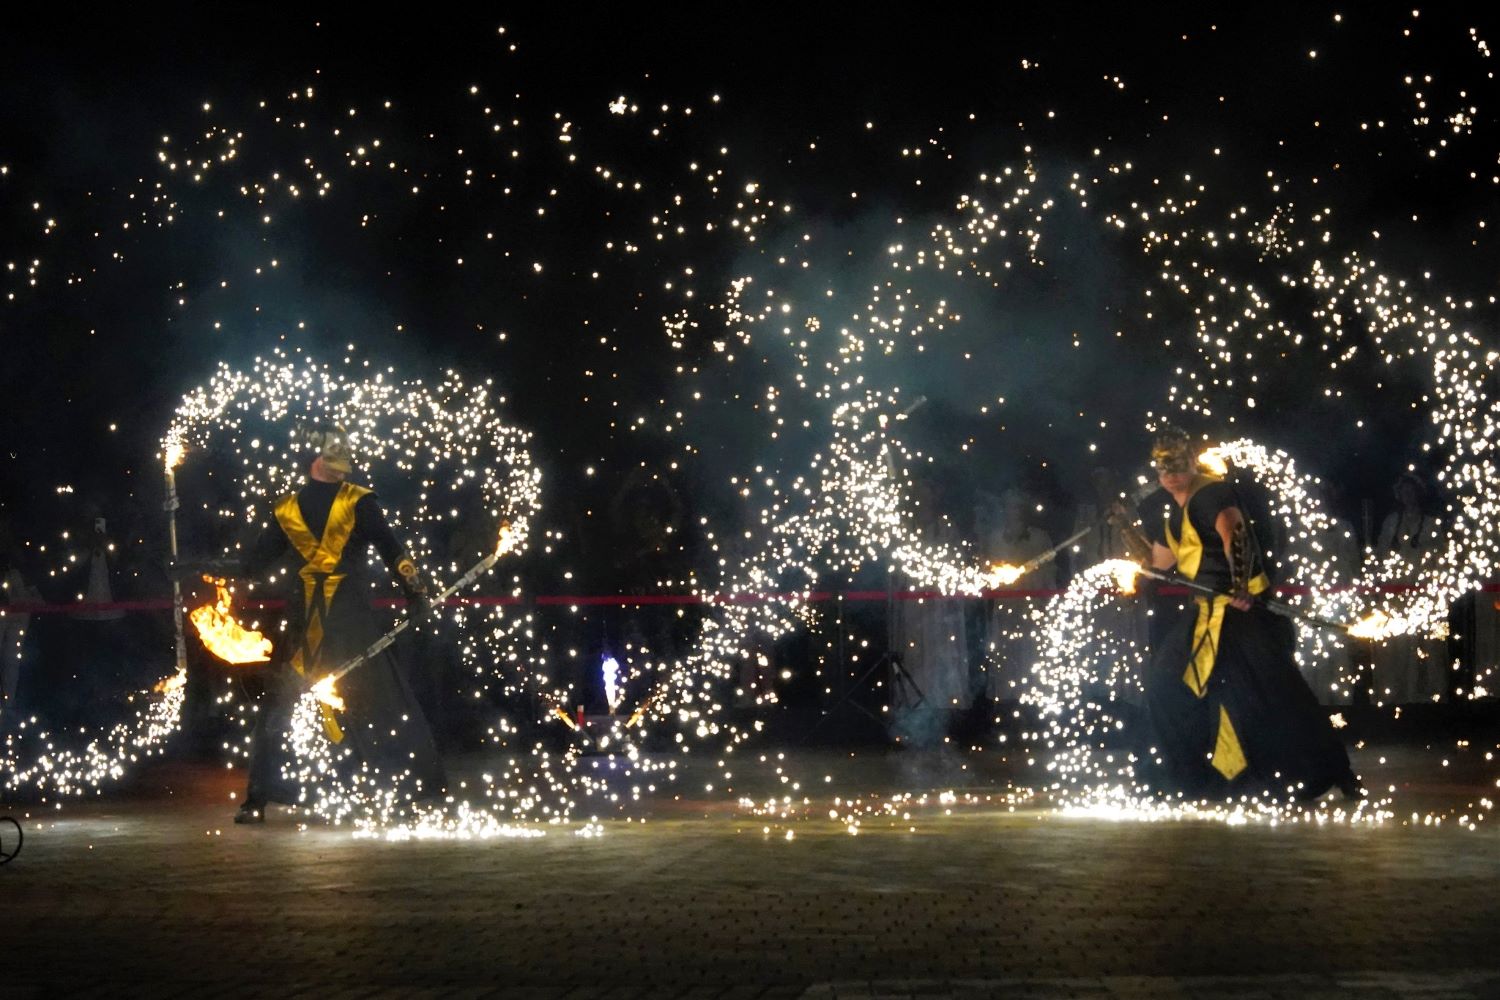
{"points": [[320, 582]]}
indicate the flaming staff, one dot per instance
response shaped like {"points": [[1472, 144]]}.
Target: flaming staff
{"points": [[1005, 574], [324, 688], [1272, 605]]}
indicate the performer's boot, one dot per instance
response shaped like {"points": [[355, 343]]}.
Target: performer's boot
{"points": [[251, 812]]}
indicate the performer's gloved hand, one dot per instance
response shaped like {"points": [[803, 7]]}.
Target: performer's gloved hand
{"points": [[418, 595], [420, 600], [1242, 600]]}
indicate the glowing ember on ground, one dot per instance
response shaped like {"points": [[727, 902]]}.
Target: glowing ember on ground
{"points": [[222, 633]]}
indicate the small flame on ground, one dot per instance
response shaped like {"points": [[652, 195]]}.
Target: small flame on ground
{"points": [[224, 636], [565, 717], [611, 671]]}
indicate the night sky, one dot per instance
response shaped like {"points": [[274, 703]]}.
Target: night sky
{"points": [[124, 281]]}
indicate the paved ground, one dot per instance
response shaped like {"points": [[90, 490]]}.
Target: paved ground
{"points": [[155, 893]]}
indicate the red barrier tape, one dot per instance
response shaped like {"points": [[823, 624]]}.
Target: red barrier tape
{"points": [[647, 600]]}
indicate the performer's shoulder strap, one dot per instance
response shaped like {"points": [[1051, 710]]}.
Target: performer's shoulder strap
{"points": [[289, 516], [341, 519]]}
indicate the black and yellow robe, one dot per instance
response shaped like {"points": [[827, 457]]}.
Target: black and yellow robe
{"points": [[330, 527], [1230, 712]]}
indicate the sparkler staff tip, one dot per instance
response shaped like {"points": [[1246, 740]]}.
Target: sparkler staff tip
{"points": [[1372, 626], [169, 684], [174, 453], [1005, 574], [326, 693], [507, 538], [1125, 572]]}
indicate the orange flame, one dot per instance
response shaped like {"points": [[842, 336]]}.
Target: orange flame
{"points": [[1213, 460], [325, 692], [1125, 573], [169, 684], [1005, 574], [225, 637], [565, 717], [507, 538], [1371, 626]]}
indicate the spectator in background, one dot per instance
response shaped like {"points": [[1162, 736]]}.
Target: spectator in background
{"points": [[1009, 645], [1324, 658], [1409, 669], [96, 642], [930, 637], [1124, 622], [14, 590], [647, 517]]}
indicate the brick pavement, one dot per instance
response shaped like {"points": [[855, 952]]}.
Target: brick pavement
{"points": [[161, 896]]}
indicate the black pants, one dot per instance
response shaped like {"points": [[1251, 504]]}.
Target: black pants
{"points": [[267, 743]]}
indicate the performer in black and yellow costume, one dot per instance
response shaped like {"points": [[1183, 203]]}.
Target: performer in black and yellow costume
{"points": [[330, 524], [1230, 713]]}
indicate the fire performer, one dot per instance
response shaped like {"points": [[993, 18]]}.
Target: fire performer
{"points": [[331, 524], [1230, 712]]}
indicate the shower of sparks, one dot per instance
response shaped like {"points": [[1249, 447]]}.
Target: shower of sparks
{"points": [[59, 771], [812, 367], [463, 465]]}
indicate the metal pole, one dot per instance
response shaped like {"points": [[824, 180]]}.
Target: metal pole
{"points": [[170, 507], [1275, 607], [480, 568]]}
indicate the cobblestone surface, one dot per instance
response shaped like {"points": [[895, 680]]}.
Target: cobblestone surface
{"points": [[162, 896]]}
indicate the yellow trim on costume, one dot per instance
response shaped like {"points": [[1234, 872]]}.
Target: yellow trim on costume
{"points": [[321, 555], [1205, 642], [1188, 551], [319, 581], [1206, 630], [1229, 757]]}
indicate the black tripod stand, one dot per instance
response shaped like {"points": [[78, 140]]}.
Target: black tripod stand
{"points": [[904, 690]]}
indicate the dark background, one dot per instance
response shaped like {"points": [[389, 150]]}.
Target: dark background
{"points": [[102, 340]]}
